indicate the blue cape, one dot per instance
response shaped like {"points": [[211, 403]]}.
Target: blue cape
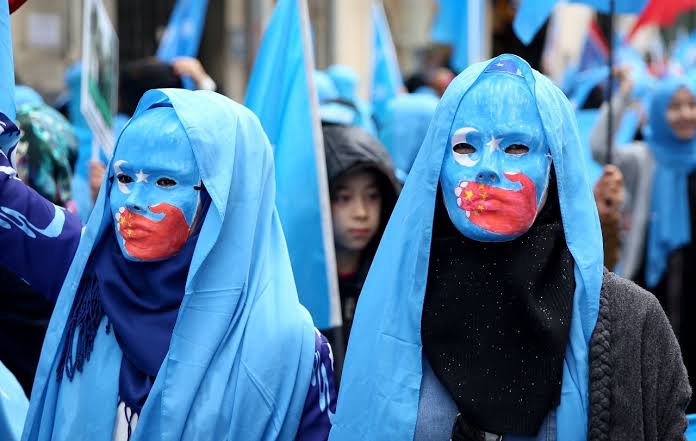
{"points": [[13, 406], [381, 381], [242, 350], [670, 222]]}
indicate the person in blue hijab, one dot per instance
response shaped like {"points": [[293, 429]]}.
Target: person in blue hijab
{"points": [[346, 81], [403, 127], [663, 203], [487, 313], [176, 315]]}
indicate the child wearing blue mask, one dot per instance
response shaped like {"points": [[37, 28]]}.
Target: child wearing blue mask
{"points": [[487, 313], [176, 315]]}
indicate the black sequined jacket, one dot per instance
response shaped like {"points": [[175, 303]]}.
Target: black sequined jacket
{"points": [[639, 387]]}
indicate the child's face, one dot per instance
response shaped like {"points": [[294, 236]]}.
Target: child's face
{"points": [[356, 206], [681, 115]]}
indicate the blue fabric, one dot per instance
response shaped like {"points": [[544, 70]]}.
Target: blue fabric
{"points": [[691, 428], [217, 364], [380, 386], [283, 99], [446, 25], [184, 30], [182, 37], [25, 95], [80, 183], [403, 129], [468, 45], [386, 75], [587, 119], [670, 223], [7, 80], [531, 14], [326, 89], [346, 80], [584, 83], [13, 406]]}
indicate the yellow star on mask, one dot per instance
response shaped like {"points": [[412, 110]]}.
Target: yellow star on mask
{"points": [[468, 195]]}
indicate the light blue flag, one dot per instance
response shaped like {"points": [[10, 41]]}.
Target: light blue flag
{"points": [[7, 82], [386, 75], [281, 93], [446, 21], [182, 37], [468, 44], [531, 14]]}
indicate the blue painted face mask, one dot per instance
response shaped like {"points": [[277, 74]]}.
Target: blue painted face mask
{"points": [[156, 195], [496, 169]]}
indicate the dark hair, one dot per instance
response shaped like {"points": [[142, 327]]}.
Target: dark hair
{"points": [[137, 77]]}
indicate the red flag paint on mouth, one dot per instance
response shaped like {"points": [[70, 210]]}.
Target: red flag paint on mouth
{"points": [[146, 239], [497, 210]]}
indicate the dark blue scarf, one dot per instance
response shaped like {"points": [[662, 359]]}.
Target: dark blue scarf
{"points": [[141, 302]]}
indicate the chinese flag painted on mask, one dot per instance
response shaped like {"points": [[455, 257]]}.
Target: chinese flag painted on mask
{"points": [[661, 13]]}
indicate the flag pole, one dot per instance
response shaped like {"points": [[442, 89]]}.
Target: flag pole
{"points": [[335, 316], [610, 89]]}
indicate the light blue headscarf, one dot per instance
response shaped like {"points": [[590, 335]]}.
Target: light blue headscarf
{"points": [[242, 350], [13, 406], [404, 126], [381, 381], [346, 81], [670, 222]]}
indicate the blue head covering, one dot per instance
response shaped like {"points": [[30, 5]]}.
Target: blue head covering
{"points": [[346, 80], [670, 223], [242, 350], [25, 95], [326, 89], [381, 381], [404, 126]]}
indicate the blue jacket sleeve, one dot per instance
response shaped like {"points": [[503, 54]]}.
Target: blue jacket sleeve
{"points": [[38, 238], [320, 405]]}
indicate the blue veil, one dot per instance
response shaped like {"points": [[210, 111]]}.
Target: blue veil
{"points": [[670, 222], [381, 381], [242, 350]]}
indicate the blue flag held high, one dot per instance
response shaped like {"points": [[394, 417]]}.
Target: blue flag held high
{"points": [[386, 75], [282, 94], [182, 37], [460, 25], [531, 14]]}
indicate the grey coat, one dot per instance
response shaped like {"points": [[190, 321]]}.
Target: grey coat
{"points": [[638, 383]]}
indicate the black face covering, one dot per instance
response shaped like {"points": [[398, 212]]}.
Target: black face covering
{"points": [[496, 318]]}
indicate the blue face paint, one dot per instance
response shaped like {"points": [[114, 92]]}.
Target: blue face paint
{"points": [[496, 168], [154, 197]]}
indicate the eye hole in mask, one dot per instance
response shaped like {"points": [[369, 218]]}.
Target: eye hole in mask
{"points": [[166, 182], [124, 179], [464, 148], [517, 149]]}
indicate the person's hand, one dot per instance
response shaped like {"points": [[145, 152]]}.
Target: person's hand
{"points": [[609, 193], [96, 176], [191, 67]]}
